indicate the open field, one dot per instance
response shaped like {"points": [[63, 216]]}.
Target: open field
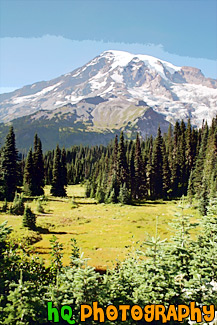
{"points": [[104, 232]]}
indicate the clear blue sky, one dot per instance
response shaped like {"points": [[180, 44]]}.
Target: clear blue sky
{"points": [[43, 39]]}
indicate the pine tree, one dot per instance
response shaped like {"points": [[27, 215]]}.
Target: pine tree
{"points": [[150, 170], [122, 162], [169, 145], [140, 175], [88, 189], [203, 199], [112, 197], [17, 207], [182, 161], [132, 171], [115, 155], [189, 149], [190, 192], [124, 196], [29, 219], [166, 175], [9, 167], [57, 187], [158, 166], [175, 170], [100, 195], [198, 171], [64, 167], [38, 167], [29, 175], [113, 190]]}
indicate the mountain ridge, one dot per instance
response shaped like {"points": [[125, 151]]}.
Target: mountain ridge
{"points": [[113, 92]]}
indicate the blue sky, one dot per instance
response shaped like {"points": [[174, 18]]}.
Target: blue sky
{"points": [[43, 39]]}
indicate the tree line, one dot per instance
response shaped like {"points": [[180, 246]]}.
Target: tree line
{"points": [[179, 162]]}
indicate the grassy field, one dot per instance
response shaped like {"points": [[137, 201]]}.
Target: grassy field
{"points": [[104, 232]]}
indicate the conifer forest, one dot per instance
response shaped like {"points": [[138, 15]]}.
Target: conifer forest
{"points": [[178, 166]]}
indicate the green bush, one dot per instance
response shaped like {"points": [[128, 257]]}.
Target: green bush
{"points": [[17, 207], [29, 219], [124, 196], [40, 207], [5, 206]]}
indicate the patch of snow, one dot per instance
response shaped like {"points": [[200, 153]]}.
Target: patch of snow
{"points": [[117, 77], [98, 81], [23, 99], [107, 90], [59, 102], [77, 74]]}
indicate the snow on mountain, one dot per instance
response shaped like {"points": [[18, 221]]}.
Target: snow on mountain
{"points": [[121, 79]]}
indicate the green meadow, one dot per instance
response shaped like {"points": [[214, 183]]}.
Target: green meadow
{"points": [[105, 233]]}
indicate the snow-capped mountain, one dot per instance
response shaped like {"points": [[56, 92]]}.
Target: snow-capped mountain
{"points": [[114, 91], [121, 79]]}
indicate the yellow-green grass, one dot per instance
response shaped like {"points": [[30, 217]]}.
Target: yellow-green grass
{"points": [[104, 232]]}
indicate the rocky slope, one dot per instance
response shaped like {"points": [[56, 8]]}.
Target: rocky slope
{"points": [[116, 90]]}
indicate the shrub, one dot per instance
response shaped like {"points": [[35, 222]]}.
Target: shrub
{"points": [[5, 206], [112, 197], [88, 190], [17, 207], [100, 195], [124, 196], [40, 207], [29, 219]]}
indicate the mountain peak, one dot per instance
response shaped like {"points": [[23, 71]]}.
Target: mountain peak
{"points": [[123, 58], [112, 84]]}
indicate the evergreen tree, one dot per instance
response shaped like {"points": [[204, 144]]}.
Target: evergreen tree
{"points": [[182, 161], [140, 175], [100, 195], [189, 149], [198, 171], [64, 167], [112, 197], [169, 145], [113, 191], [9, 167], [88, 189], [57, 186], [150, 170], [29, 219], [166, 175], [38, 167], [203, 200], [124, 196], [122, 162], [190, 192], [115, 155], [175, 170], [29, 175], [158, 166], [17, 207], [132, 171]]}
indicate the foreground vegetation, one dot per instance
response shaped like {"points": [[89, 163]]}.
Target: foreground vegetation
{"points": [[178, 271]]}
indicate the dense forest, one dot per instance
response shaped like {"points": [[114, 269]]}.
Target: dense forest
{"points": [[177, 164], [181, 162], [169, 166]]}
